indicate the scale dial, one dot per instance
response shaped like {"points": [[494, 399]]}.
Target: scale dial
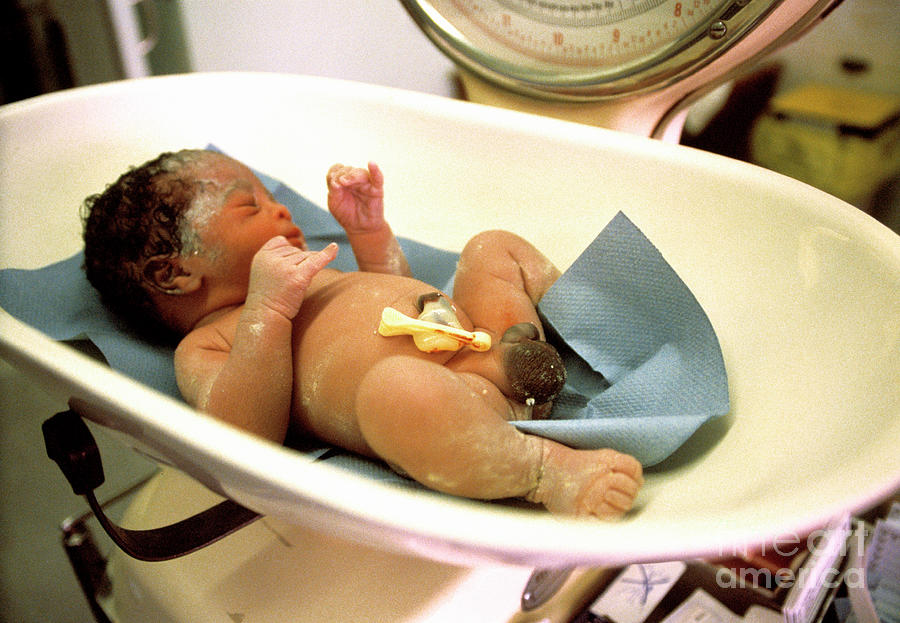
{"points": [[584, 50]]}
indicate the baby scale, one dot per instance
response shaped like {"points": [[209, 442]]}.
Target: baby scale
{"points": [[797, 284], [631, 65]]}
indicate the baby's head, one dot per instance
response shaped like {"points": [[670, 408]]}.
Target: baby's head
{"points": [[137, 218], [155, 227]]}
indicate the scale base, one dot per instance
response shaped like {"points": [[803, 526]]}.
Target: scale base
{"points": [[274, 571]]}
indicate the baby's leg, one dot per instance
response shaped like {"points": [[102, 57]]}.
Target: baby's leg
{"points": [[500, 279], [430, 422]]}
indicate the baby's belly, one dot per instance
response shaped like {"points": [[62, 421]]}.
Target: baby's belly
{"points": [[336, 342]]}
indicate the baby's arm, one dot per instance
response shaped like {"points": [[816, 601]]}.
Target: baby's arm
{"points": [[356, 199], [248, 382]]}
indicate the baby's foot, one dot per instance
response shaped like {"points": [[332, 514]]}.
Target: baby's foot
{"points": [[599, 483]]}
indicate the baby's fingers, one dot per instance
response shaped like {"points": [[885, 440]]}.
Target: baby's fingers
{"points": [[375, 175], [317, 260], [341, 175], [276, 243], [305, 264], [334, 173], [280, 277]]}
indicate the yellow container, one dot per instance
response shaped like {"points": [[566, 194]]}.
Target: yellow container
{"points": [[842, 141]]}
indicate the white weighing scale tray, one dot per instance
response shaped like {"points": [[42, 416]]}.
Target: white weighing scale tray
{"points": [[801, 288]]}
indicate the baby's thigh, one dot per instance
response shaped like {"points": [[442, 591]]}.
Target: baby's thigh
{"points": [[406, 404], [429, 422]]}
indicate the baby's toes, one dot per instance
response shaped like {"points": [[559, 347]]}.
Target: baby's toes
{"points": [[610, 496], [626, 464], [623, 490]]}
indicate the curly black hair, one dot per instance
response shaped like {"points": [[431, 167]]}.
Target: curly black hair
{"points": [[136, 219]]}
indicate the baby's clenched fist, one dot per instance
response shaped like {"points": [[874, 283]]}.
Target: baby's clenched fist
{"points": [[281, 273]]}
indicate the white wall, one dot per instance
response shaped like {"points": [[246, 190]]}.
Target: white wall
{"points": [[365, 40]]}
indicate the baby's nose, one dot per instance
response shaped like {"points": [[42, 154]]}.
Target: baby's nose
{"points": [[281, 211]]}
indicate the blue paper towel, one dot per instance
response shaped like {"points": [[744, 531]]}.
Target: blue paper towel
{"points": [[644, 365], [643, 361]]}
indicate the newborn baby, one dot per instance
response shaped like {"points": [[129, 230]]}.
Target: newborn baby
{"points": [[272, 338]]}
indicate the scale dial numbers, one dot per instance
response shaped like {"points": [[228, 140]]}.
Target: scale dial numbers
{"points": [[587, 48]]}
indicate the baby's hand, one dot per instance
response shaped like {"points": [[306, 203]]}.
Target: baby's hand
{"points": [[356, 197], [281, 273]]}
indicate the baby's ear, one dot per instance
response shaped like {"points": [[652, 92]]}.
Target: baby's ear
{"points": [[168, 275]]}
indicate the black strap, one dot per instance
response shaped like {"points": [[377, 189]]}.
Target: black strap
{"points": [[69, 442]]}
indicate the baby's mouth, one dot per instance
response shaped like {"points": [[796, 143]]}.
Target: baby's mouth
{"points": [[295, 237]]}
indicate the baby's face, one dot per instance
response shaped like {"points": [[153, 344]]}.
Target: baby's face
{"points": [[232, 217]]}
